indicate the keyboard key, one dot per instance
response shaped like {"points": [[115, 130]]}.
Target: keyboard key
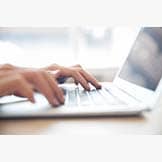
{"points": [[72, 99], [79, 97], [97, 98], [85, 99], [109, 98]]}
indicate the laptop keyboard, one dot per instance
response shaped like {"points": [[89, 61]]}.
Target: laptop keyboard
{"points": [[79, 97]]}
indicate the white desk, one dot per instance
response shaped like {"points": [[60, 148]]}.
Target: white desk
{"points": [[150, 123]]}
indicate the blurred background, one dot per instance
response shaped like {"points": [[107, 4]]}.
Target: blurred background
{"points": [[100, 50]]}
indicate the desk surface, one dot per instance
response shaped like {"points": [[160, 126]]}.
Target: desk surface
{"points": [[149, 123]]}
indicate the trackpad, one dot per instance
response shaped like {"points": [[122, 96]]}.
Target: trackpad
{"points": [[22, 106]]}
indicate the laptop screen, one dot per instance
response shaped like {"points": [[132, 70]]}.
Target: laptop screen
{"points": [[143, 66]]}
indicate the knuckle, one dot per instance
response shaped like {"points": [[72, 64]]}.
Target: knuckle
{"points": [[54, 64], [18, 78], [18, 81], [58, 72], [81, 70], [78, 65], [38, 73], [74, 73]]}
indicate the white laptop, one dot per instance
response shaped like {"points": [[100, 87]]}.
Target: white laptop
{"points": [[135, 89]]}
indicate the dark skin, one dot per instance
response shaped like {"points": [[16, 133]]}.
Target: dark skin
{"points": [[24, 81]]}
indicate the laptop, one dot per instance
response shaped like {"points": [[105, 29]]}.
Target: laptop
{"points": [[135, 89]]}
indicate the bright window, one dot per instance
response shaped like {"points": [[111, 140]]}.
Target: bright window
{"points": [[93, 47]]}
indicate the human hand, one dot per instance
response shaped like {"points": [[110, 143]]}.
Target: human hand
{"points": [[43, 82], [60, 72], [23, 82], [13, 83], [76, 72]]}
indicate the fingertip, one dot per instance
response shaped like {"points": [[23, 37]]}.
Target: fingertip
{"points": [[55, 102], [88, 89], [61, 97], [76, 82], [32, 99], [99, 86], [62, 100]]}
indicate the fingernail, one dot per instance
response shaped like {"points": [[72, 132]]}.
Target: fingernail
{"points": [[88, 88], [32, 99], [63, 100], [56, 103]]}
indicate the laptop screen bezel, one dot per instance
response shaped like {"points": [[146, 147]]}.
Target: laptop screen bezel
{"points": [[143, 94]]}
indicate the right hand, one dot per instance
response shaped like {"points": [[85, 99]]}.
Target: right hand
{"points": [[76, 72]]}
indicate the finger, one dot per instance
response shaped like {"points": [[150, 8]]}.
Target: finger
{"points": [[76, 82], [76, 66], [16, 83], [17, 93], [72, 72], [90, 79], [43, 87], [25, 89], [80, 79], [54, 86]]}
